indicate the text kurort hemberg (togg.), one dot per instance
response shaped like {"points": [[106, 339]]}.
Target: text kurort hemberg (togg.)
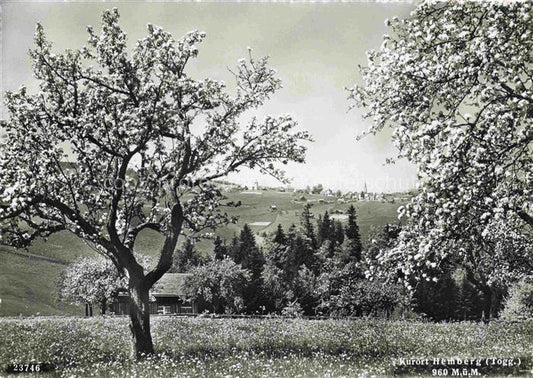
{"points": [[453, 361]]}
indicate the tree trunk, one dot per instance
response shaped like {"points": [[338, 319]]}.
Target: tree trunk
{"points": [[487, 305], [140, 322], [488, 294], [103, 305], [139, 283]]}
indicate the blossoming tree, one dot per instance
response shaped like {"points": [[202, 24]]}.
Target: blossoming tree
{"points": [[146, 138], [454, 83], [90, 280]]}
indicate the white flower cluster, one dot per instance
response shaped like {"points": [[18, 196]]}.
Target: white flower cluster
{"points": [[454, 83]]}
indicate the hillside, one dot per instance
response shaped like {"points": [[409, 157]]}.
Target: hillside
{"points": [[27, 283], [257, 208]]}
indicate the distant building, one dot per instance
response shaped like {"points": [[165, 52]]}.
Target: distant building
{"points": [[351, 196], [168, 296], [364, 194], [327, 192]]}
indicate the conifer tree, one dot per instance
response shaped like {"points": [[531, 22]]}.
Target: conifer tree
{"points": [[234, 249], [353, 243], [291, 268], [280, 237], [307, 225], [325, 228], [220, 249], [186, 257], [339, 233], [352, 229], [246, 253], [249, 256]]}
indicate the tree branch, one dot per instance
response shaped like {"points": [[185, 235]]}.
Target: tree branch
{"points": [[525, 217], [165, 256]]}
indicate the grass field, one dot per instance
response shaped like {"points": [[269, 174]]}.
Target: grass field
{"points": [[257, 208], [27, 286], [201, 347]]}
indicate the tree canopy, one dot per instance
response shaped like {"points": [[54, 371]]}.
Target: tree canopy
{"points": [[144, 140], [220, 283], [90, 280], [454, 83]]}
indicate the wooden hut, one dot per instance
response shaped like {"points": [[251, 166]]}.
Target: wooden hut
{"points": [[167, 297]]}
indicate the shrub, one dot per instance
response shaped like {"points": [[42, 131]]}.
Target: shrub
{"points": [[519, 303], [218, 284], [293, 310]]}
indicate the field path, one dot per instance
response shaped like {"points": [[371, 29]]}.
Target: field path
{"points": [[37, 257]]}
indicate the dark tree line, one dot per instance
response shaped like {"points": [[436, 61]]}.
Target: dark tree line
{"points": [[319, 267], [313, 268]]}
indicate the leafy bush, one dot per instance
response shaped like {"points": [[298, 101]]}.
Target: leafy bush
{"points": [[218, 285], [519, 303], [293, 310], [365, 297]]}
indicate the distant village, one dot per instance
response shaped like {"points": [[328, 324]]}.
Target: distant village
{"points": [[306, 194]]}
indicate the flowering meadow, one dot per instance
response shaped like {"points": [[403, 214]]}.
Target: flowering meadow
{"points": [[273, 347]]}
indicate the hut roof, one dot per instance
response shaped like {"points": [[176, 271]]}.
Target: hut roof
{"points": [[171, 284]]}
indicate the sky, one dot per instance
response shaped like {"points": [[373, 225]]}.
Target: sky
{"points": [[315, 47]]}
